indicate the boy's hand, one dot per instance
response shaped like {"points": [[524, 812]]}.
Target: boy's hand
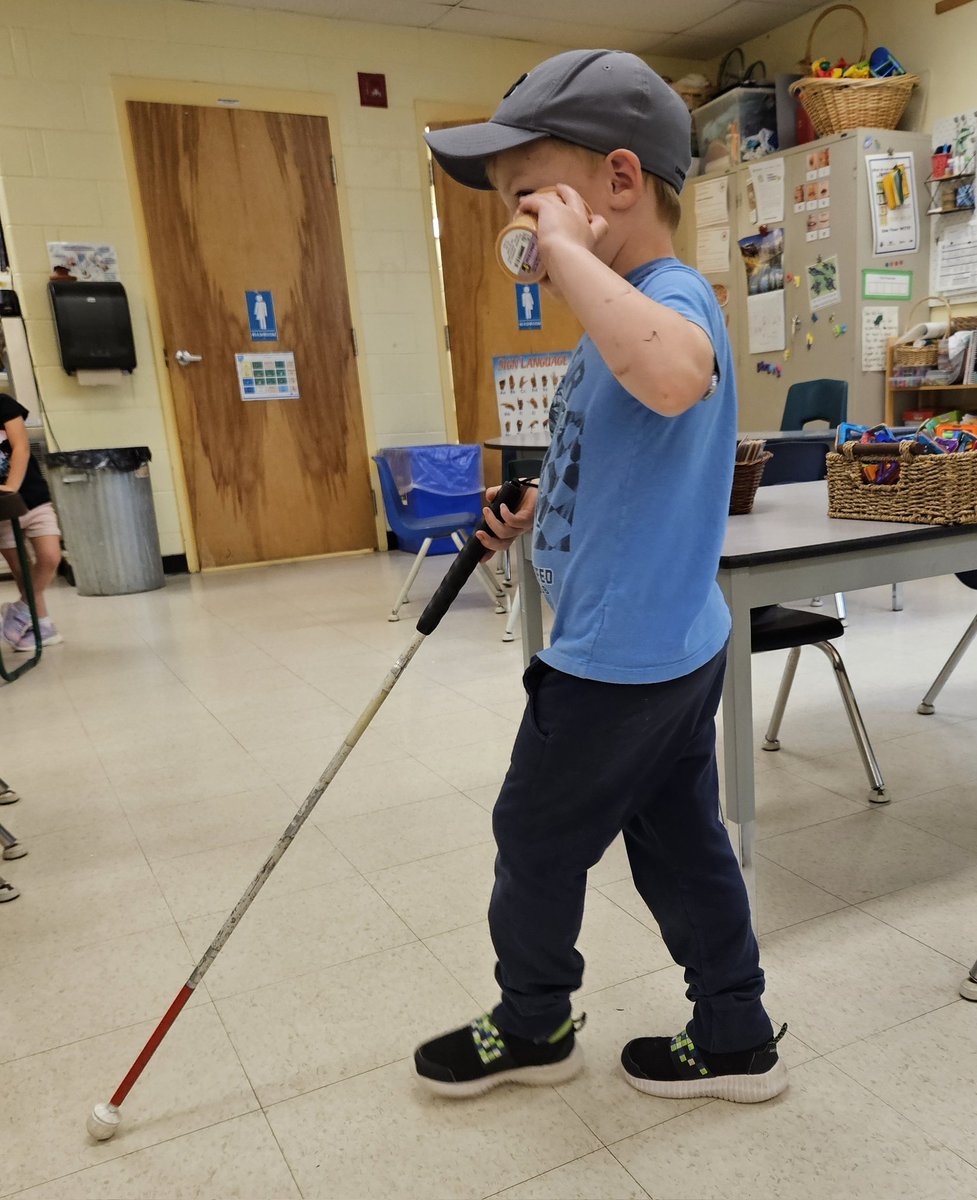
{"points": [[563, 218], [512, 524]]}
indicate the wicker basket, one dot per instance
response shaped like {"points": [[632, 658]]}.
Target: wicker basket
{"points": [[959, 324], [746, 480], [921, 356], [835, 105], [933, 489]]}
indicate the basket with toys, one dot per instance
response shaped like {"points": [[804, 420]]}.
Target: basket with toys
{"points": [[872, 91]]}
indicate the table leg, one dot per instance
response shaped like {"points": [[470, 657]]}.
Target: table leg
{"points": [[531, 608], [739, 791]]}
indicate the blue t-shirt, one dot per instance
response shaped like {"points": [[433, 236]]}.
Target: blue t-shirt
{"points": [[632, 510]]}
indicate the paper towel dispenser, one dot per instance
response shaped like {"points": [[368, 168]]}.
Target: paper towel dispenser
{"points": [[93, 325]]}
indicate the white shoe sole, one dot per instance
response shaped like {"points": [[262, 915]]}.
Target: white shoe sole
{"points": [[741, 1089], [558, 1072], [48, 641]]}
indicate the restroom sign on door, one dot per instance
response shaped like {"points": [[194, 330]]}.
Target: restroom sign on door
{"points": [[528, 312], [261, 316]]}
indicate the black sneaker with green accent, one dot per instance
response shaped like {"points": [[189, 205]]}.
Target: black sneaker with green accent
{"points": [[677, 1069], [479, 1056]]}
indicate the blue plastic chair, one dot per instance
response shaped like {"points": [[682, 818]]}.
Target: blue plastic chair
{"points": [[816, 400], [406, 527]]}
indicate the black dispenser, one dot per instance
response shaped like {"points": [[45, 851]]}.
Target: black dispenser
{"points": [[93, 325]]}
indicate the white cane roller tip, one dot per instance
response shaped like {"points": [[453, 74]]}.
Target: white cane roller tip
{"points": [[103, 1122]]}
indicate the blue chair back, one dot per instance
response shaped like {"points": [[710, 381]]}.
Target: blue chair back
{"points": [[795, 462], [410, 530], [815, 400]]}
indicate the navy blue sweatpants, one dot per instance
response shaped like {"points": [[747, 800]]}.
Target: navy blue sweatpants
{"points": [[590, 760]]}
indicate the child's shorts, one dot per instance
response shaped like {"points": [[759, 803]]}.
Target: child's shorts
{"points": [[36, 522]]}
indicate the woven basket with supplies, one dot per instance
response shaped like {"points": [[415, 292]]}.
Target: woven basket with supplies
{"points": [[905, 354], [930, 489], [751, 458], [835, 105]]}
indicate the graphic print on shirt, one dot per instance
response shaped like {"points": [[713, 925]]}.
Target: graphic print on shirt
{"points": [[561, 467]]}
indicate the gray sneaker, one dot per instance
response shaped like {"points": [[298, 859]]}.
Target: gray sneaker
{"points": [[7, 891], [49, 636], [16, 618]]}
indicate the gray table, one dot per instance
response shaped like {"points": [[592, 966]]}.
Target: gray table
{"points": [[787, 549]]}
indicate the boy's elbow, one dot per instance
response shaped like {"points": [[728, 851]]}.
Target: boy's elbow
{"points": [[677, 393]]}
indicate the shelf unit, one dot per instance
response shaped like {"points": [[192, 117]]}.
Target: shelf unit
{"points": [[894, 407], [936, 184]]}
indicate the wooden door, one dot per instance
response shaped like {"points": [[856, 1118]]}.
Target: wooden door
{"points": [[481, 307], [237, 201]]}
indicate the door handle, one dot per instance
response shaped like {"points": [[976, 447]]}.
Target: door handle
{"points": [[185, 358]]}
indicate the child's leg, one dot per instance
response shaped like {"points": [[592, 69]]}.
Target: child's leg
{"points": [[687, 873], [47, 556], [586, 756]]}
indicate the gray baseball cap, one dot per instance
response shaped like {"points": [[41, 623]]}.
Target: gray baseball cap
{"points": [[602, 99]]}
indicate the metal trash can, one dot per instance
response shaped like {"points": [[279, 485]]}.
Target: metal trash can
{"points": [[104, 500]]}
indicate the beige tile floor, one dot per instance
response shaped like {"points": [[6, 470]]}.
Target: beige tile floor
{"points": [[164, 746]]}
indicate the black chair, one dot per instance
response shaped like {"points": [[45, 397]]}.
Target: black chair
{"points": [[775, 627], [795, 462], [815, 400], [926, 706]]}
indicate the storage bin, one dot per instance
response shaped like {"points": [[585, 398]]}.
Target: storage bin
{"points": [[738, 126], [932, 489]]}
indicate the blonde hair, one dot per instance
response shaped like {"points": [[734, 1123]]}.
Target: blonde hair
{"points": [[667, 202]]}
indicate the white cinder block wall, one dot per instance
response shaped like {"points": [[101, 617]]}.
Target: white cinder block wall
{"points": [[65, 65]]}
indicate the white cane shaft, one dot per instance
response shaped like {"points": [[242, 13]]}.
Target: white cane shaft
{"points": [[296, 823]]}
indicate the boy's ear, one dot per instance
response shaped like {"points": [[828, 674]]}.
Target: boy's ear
{"points": [[624, 177]]}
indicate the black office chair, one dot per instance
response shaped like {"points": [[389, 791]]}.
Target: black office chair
{"points": [[775, 627], [926, 707]]}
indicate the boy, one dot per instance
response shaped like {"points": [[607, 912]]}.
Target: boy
{"points": [[618, 733], [20, 473]]}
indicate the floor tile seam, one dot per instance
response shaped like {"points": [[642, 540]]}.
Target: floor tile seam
{"points": [[879, 812], [409, 862], [206, 1002], [316, 970], [177, 858], [269, 1106], [887, 1029], [894, 814], [965, 963], [452, 794], [614, 1142], [476, 1003], [926, 1133], [82, 947], [131, 1153], [281, 1150], [500, 1195], [390, 908], [790, 871]]}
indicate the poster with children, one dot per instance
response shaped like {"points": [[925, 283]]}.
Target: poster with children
{"points": [[524, 387]]}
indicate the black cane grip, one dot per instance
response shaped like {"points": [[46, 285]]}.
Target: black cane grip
{"points": [[509, 494]]}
